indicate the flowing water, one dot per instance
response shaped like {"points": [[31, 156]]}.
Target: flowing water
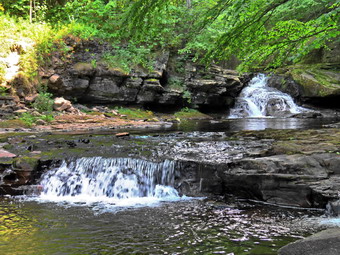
{"points": [[110, 182], [96, 205], [259, 100], [129, 206]]}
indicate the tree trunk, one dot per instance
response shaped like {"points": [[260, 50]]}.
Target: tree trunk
{"points": [[188, 4], [31, 11]]}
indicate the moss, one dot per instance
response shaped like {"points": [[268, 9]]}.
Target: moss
{"points": [[120, 71], [95, 113], [152, 80], [6, 161], [187, 113], [83, 67], [26, 162], [4, 137], [135, 113], [315, 80]]}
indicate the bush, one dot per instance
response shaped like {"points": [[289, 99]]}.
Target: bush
{"points": [[43, 103], [30, 119]]}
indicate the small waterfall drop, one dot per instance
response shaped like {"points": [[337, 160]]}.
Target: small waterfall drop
{"points": [[258, 100], [117, 181]]}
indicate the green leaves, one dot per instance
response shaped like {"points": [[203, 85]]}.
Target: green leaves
{"points": [[260, 33]]}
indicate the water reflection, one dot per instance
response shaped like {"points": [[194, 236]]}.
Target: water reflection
{"points": [[193, 227], [253, 124]]}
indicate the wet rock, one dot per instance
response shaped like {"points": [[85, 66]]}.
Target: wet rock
{"points": [[40, 122], [307, 115], [124, 134], [334, 125], [326, 242], [295, 180], [6, 154], [71, 144], [335, 208], [213, 88], [86, 141]]}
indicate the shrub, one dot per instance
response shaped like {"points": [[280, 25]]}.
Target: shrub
{"points": [[43, 103], [30, 119]]}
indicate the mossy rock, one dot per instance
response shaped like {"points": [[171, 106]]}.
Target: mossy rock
{"points": [[26, 163], [118, 71], [315, 81], [84, 68]]}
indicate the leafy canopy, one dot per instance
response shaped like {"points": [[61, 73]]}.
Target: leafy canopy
{"points": [[260, 33]]}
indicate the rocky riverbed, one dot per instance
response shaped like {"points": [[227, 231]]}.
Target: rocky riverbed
{"points": [[286, 167]]}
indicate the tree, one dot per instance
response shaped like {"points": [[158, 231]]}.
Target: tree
{"points": [[259, 32]]}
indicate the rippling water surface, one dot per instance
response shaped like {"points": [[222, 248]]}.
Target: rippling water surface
{"points": [[188, 227]]}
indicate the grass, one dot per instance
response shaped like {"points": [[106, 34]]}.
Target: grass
{"points": [[135, 113], [30, 119], [14, 124], [187, 113]]}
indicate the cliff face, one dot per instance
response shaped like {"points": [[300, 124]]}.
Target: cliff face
{"points": [[83, 74], [88, 78]]}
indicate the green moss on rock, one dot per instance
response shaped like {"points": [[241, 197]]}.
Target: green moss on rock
{"points": [[316, 81]]}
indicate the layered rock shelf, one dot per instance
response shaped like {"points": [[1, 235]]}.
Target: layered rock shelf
{"points": [[285, 167]]}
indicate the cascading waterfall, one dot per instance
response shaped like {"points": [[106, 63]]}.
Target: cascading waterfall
{"points": [[259, 100], [118, 181]]}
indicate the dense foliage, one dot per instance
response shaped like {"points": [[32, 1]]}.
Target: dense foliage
{"points": [[260, 33]]}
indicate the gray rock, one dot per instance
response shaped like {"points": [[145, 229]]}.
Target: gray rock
{"points": [[326, 242]]}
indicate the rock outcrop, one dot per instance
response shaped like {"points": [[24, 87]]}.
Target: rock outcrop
{"points": [[326, 242], [87, 77], [285, 167], [214, 88], [311, 84]]}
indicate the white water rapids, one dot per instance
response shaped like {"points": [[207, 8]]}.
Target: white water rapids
{"points": [[258, 100], [114, 181]]}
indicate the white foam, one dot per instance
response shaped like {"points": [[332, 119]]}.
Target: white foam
{"points": [[116, 182], [257, 100]]}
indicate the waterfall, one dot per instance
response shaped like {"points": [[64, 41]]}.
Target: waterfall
{"points": [[259, 100], [120, 181]]}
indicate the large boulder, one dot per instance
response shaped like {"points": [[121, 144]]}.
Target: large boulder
{"points": [[312, 84], [326, 242]]}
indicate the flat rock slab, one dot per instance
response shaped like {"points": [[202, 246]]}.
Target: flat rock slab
{"points": [[326, 242], [6, 154]]}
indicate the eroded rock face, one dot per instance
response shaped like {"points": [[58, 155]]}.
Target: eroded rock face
{"points": [[89, 79], [213, 89]]}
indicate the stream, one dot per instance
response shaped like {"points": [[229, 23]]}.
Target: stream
{"points": [[187, 227], [166, 223], [128, 204]]}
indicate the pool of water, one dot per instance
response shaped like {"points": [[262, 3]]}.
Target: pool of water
{"points": [[191, 226], [187, 227], [253, 124]]}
